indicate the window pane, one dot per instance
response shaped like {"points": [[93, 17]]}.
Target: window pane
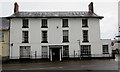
{"points": [[85, 35], [24, 51], [65, 51], [44, 52], [65, 32], [85, 50], [44, 36], [65, 22], [84, 22], [25, 23], [105, 49], [65, 36], [44, 23], [25, 36]]}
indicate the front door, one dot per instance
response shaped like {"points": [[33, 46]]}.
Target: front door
{"points": [[55, 54]]}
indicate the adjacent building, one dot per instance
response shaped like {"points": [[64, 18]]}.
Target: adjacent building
{"points": [[4, 38], [116, 42], [56, 35]]}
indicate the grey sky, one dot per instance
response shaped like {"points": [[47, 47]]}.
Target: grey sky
{"points": [[108, 25]]}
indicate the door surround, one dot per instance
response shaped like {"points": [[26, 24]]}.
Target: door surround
{"points": [[52, 48]]}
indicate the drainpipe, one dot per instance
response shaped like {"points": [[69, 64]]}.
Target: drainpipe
{"points": [[9, 36], [80, 48], [60, 54], [11, 50], [35, 54], [74, 54]]}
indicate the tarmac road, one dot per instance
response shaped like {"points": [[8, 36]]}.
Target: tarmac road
{"points": [[108, 64]]}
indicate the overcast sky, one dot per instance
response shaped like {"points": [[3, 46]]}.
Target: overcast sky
{"points": [[106, 8]]}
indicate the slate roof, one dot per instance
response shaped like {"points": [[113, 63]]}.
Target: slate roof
{"points": [[4, 24], [55, 14]]}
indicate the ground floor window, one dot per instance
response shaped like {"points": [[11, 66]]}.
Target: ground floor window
{"points": [[44, 52], [85, 50], [24, 51], [66, 51], [105, 49]]}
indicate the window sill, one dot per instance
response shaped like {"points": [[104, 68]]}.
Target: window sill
{"points": [[44, 27], [25, 42], [65, 57], [25, 27], [65, 41], [65, 26], [105, 53], [85, 41], [85, 26]]}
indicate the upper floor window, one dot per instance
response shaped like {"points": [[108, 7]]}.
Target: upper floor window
{"points": [[1, 36], [44, 23], [65, 22], [25, 23], [105, 49], [44, 37], [84, 22], [25, 37], [85, 36], [65, 36]]}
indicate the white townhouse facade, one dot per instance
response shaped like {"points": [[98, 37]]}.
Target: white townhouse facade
{"points": [[56, 35]]}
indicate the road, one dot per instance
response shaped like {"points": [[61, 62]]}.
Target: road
{"points": [[109, 64]]}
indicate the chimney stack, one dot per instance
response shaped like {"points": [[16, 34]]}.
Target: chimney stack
{"points": [[91, 9], [16, 7]]}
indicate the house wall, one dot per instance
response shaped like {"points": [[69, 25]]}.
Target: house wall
{"points": [[107, 42], [54, 35], [4, 46]]}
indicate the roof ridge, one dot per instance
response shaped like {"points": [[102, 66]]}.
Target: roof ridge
{"points": [[53, 11]]}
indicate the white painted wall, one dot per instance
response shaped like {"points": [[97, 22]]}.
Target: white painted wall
{"points": [[15, 37], [94, 36], [74, 35], [55, 35], [107, 42]]}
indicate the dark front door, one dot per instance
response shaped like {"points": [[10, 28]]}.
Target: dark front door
{"points": [[55, 54]]}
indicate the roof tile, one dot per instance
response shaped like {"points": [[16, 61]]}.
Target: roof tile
{"points": [[57, 14]]}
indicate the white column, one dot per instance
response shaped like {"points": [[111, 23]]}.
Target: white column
{"points": [[50, 54], [60, 54], [11, 51]]}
